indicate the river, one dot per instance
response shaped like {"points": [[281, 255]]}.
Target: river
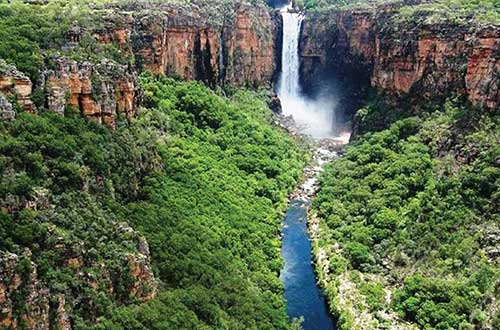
{"points": [[304, 298]]}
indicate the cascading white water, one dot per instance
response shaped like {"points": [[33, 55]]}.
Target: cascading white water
{"points": [[289, 86], [314, 117]]}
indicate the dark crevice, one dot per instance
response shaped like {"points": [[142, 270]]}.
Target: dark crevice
{"points": [[203, 66], [222, 58]]}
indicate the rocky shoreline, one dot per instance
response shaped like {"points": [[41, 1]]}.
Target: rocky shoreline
{"points": [[325, 151]]}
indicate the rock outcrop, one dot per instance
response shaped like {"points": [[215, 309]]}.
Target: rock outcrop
{"points": [[404, 59], [100, 91], [20, 285], [17, 84], [30, 302], [6, 109], [236, 49]]}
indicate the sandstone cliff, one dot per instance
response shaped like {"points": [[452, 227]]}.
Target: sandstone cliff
{"points": [[17, 85], [237, 47], [410, 61], [30, 302]]}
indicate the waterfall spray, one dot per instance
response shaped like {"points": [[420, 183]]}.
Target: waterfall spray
{"points": [[314, 117]]}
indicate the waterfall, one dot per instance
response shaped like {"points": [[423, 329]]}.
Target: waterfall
{"points": [[314, 117], [289, 86]]}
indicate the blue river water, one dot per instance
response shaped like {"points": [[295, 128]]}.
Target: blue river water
{"points": [[304, 297]]}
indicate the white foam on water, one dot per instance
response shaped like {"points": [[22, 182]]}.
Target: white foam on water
{"points": [[314, 117]]}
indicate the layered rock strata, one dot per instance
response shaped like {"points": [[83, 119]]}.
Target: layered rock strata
{"points": [[100, 91], [14, 83], [237, 48], [406, 60]]}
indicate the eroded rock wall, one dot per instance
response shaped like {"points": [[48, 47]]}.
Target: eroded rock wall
{"points": [[238, 50], [16, 84], [406, 61], [28, 301], [100, 91]]}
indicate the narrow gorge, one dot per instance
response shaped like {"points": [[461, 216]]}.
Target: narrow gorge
{"points": [[249, 164], [305, 301]]}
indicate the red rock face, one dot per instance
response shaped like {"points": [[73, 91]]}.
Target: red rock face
{"points": [[176, 50], [250, 49], [141, 273], [423, 62], [100, 91], [358, 30], [415, 62], [482, 80], [14, 82], [120, 36], [241, 52]]}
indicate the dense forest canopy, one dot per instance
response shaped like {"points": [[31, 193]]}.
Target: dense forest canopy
{"points": [[483, 11], [171, 219], [202, 177], [414, 211]]}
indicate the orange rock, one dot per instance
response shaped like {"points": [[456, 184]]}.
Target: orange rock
{"points": [[112, 91], [419, 63], [144, 286], [482, 66], [14, 82]]}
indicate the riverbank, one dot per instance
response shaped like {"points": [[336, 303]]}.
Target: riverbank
{"points": [[325, 151], [343, 308]]}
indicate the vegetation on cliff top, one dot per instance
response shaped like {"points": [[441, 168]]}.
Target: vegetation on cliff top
{"points": [[455, 11], [216, 13], [31, 34], [410, 222], [202, 177], [315, 5]]}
